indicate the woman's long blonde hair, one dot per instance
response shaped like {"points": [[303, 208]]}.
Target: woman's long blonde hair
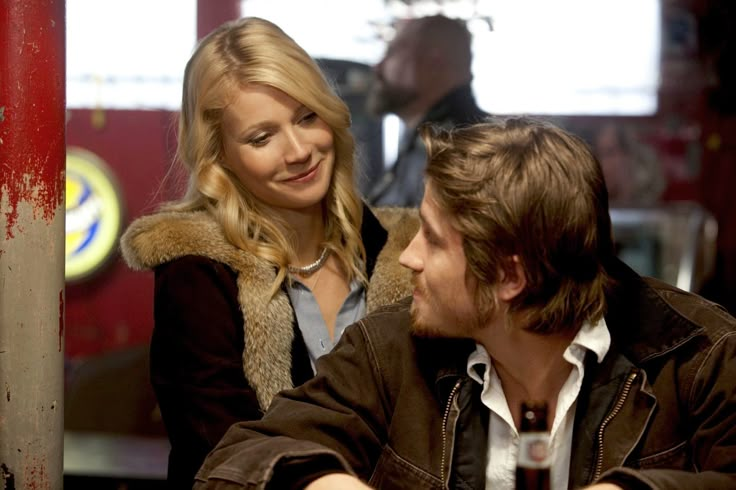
{"points": [[255, 51]]}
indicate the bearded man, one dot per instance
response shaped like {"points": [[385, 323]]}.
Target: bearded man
{"points": [[424, 78]]}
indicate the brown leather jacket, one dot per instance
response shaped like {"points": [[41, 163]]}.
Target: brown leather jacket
{"points": [[401, 412]]}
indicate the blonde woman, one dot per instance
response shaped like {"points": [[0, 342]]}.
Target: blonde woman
{"points": [[270, 253]]}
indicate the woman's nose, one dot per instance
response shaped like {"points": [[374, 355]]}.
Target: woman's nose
{"points": [[297, 149]]}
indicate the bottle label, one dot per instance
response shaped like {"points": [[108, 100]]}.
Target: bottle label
{"points": [[534, 450]]}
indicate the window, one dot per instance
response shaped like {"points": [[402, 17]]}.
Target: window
{"points": [[128, 55], [541, 56]]}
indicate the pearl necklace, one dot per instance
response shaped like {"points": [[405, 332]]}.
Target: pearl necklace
{"points": [[310, 269]]}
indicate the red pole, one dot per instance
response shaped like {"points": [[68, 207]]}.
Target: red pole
{"points": [[32, 160]]}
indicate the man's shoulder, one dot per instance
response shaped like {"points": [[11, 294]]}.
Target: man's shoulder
{"points": [[397, 218], [700, 312], [649, 318], [389, 329], [391, 318]]}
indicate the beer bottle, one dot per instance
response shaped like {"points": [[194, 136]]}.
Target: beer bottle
{"points": [[533, 463]]}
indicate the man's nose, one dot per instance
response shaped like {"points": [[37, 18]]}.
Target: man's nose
{"points": [[409, 258]]}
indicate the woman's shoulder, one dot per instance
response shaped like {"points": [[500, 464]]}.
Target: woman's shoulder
{"points": [[400, 223], [159, 238], [396, 218], [188, 265], [390, 281], [189, 282]]}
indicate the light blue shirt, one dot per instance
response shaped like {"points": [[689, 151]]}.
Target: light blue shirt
{"points": [[312, 324]]}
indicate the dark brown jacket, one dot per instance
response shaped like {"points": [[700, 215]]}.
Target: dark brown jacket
{"points": [[220, 348], [401, 412]]}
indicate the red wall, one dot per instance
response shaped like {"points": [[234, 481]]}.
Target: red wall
{"points": [[113, 308]]}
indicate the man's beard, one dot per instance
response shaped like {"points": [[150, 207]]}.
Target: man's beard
{"points": [[421, 329], [458, 326], [384, 98]]}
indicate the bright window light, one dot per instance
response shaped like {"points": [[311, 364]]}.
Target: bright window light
{"points": [[569, 57], [542, 56], [128, 55], [336, 29]]}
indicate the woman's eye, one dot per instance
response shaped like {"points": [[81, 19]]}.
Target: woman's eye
{"points": [[259, 140], [309, 117]]}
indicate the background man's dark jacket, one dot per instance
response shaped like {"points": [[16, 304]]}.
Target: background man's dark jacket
{"points": [[403, 184]]}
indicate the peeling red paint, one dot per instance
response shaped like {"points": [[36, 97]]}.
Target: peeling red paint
{"points": [[32, 147], [36, 475], [61, 319]]}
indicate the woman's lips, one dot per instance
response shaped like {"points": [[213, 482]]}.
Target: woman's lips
{"points": [[307, 176]]}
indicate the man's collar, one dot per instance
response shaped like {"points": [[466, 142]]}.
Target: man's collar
{"points": [[594, 337]]}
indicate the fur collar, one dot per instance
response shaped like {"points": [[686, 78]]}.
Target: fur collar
{"points": [[156, 239]]}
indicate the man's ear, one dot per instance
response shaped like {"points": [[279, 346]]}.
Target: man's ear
{"points": [[513, 280]]}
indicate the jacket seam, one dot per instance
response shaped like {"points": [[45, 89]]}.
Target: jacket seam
{"points": [[416, 470], [697, 329], [237, 476], [376, 367], [662, 454], [701, 366], [664, 352]]}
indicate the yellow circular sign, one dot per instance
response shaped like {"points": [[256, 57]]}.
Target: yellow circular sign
{"points": [[93, 213]]}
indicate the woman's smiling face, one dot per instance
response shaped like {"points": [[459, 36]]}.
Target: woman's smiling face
{"points": [[280, 150]]}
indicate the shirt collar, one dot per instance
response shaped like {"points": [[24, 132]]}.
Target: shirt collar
{"points": [[591, 337], [478, 363]]}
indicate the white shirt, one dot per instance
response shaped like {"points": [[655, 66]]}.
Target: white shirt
{"points": [[503, 438]]}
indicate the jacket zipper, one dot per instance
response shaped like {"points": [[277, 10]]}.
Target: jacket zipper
{"points": [[445, 418], [614, 412]]}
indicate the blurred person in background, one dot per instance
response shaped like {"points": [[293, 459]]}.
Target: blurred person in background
{"points": [[424, 77]]}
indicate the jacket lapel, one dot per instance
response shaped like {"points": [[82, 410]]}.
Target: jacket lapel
{"points": [[613, 411], [626, 422]]}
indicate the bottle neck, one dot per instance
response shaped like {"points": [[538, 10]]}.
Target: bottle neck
{"points": [[534, 458], [534, 416]]}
